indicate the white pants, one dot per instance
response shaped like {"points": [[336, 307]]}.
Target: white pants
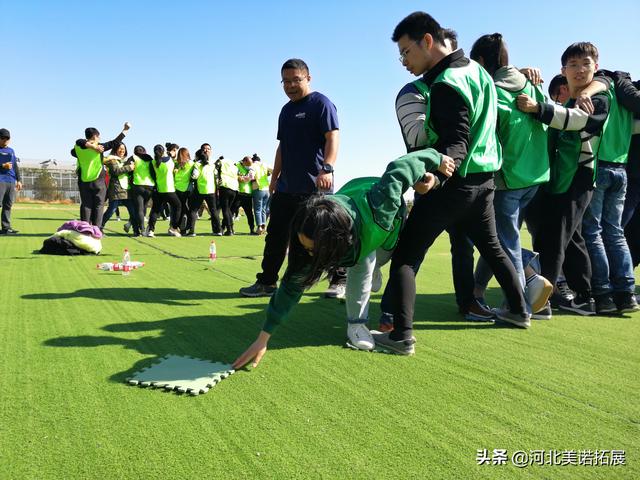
{"points": [[359, 278]]}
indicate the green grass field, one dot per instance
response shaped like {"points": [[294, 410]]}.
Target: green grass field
{"points": [[71, 335]]}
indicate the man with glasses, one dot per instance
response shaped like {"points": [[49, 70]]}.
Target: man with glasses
{"points": [[304, 163]]}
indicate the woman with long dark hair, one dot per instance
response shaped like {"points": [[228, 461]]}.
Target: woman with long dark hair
{"points": [[143, 181], [184, 185], [358, 228], [119, 182], [204, 174]]}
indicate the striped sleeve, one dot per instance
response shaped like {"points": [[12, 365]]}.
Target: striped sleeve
{"points": [[411, 108]]}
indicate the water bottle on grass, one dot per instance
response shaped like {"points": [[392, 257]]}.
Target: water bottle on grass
{"points": [[212, 252], [126, 262]]}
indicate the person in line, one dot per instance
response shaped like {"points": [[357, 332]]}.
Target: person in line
{"points": [[165, 192], [10, 181], [119, 183]]}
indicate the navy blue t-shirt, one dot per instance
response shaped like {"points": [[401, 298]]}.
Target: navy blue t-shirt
{"points": [[301, 129], [8, 175]]}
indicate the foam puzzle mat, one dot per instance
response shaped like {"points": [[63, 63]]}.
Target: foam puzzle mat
{"points": [[183, 374]]}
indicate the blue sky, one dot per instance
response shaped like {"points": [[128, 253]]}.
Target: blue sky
{"points": [[192, 72]]}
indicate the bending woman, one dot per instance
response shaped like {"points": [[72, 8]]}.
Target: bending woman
{"points": [[358, 228]]}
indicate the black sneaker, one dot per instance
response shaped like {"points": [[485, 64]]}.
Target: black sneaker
{"points": [[543, 314], [604, 304], [258, 290], [626, 302], [8, 231], [582, 305], [522, 320], [401, 347], [478, 311]]}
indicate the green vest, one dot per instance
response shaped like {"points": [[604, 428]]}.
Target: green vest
{"points": [[616, 133], [90, 163], [164, 176], [371, 236], [476, 88], [262, 175], [183, 176], [206, 182], [123, 178], [243, 187], [142, 172], [525, 156], [228, 175]]}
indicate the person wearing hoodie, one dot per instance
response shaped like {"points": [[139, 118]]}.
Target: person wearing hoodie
{"points": [[525, 165], [119, 183]]}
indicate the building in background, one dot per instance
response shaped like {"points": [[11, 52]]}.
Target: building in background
{"points": [[48, 181]]}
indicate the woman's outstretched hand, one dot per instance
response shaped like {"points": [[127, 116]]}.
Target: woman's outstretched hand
{"points": [[254, 353]]}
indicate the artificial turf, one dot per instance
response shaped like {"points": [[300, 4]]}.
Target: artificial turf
{"points": [[71, 335]]}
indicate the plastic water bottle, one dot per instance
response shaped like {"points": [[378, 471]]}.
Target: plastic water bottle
{"points": [[126, 261], [212, 252]]}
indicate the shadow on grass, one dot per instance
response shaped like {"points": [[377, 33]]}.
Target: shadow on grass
{"points": [[162, 296]]}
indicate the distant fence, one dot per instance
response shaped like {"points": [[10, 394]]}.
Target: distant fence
{"points": [[49, 184]]}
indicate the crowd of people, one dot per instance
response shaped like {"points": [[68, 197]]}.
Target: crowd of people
{"points": [[486, 153], [175, 185]]}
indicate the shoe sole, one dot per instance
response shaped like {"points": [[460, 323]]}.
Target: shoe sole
{"points": [[547, 290], [607, 311], [256, 295], [578, 311], [387, 349], [511, 321], [628, 310], [541, 316], [355, 347], [477, 318]]}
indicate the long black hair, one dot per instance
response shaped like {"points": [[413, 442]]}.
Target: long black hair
{"points": [[116, 146], [329, 226], [158, 153]]}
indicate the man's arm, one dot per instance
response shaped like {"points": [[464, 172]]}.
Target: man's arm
{"points": [[450, 119], [325, 180], [277, 167], [411, 108], [563, 118]]}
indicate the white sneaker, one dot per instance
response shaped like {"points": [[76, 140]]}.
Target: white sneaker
{"points": [[376, 281], [174, 232], [337, 290], [360, 336], [149, 233], [537, 292]]}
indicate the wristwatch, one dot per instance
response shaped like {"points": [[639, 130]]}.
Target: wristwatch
{"points": [[326, 168]]}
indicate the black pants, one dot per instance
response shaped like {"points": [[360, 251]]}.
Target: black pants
{"points": [[556, 223], [283, 208], [226, 197], [7, 195], [245, 201], [194, 204], [185, 200], [140, 196], [92, 198], [159, 199], [464, 206]]}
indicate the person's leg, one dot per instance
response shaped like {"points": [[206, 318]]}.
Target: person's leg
{"points": [[481, 224], [7, 194], [592, 230], [358, 292], [257, 207], [215, 221], [86, 200], [631, 201], [461, 265], [99, 196], [111, 208], [175, 208], [620, 264], [283, 208], [195, 202], [247, 205], [632, 235], [156, 210]]}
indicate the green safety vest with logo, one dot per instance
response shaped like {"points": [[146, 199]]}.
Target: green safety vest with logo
{"points": [[262, 175], [355, 195], [182, 176], [142, 172], [525, 155], [228, 175], [476, 87], [164, 176], [90, 163], [243, 187], [617, 131], [206, 182]]}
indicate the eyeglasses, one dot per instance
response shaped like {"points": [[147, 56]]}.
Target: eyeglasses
{"points": [[293, 81], [405, 52]]}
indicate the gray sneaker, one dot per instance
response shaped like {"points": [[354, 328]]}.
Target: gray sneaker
{"points": [[401, 347], [258, 290], [522, 320]]}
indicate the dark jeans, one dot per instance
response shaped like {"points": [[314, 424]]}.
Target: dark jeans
{"points": [[245, 201], [195, 202], [283, 208], [185, 200], [92, 197], [465, 207], [8, 196], [631, 220], [140, 196], [226, 197], [556, 222], [159, 200], [113, 206]]}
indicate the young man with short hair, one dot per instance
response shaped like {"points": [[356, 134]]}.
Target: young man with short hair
{"points": [[460, 123], [10, 181], [577, 141], [91, 173]]}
